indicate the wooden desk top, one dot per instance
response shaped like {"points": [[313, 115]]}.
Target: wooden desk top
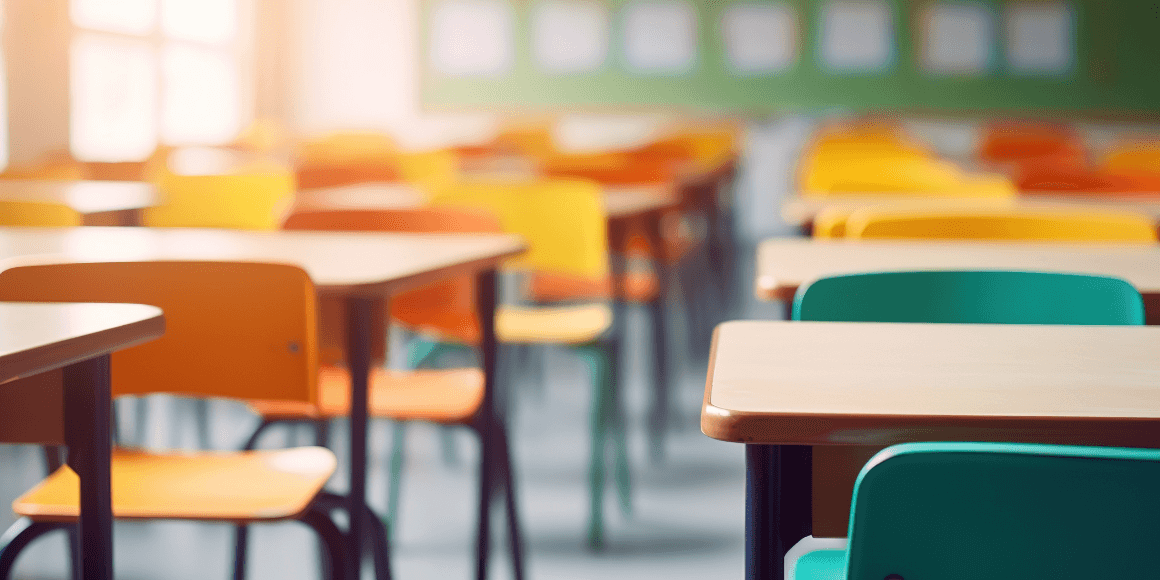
{"points": [[783, 264], [619, 202], [799, 210], [630, 201], [878, 384], [85, 197], [348, 263], [360, 196], [36, 338]]}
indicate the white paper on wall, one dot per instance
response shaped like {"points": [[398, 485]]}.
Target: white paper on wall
{"points": [[1040, 37], [857, 35], [660, 36], [472, 37], [760, 38], [957, 38], [570, 36]]}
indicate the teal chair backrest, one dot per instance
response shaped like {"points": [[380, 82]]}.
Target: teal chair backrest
{"points": [[979, 297], [999, 511]]}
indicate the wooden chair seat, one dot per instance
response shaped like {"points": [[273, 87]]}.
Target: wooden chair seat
{"points": [[233, 487], [553, 324], [440, 396]]}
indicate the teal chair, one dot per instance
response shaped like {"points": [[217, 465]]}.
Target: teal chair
{"points": [[966, 297], [998, 511], [979, 297]]}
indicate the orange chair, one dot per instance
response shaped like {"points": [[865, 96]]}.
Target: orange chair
{"points": [[232, 330], [1014, 142], [446, 397]]}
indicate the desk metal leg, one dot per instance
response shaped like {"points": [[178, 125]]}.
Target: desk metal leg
{"points": [[88, 421], [778, 481], [359, 318], [658, 420]]}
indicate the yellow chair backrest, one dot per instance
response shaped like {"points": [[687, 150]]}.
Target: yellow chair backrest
{"points": [[831, 222], [562, 220], [999, 224], [428, 168], [898, 174], [37, 214], [237, 330], [252, 199]]}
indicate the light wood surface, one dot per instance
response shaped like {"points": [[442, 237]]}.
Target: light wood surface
{"points": [[349, 263], [784, 264], [828, 383], [86, 197], [624, 202], [619, 202], [36, 338], [361, 196], [799, 210]]}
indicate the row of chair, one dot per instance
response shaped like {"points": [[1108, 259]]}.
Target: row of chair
{"points": [[967, 510]]}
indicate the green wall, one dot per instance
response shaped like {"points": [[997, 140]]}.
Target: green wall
{"points": [[1116, 69]]}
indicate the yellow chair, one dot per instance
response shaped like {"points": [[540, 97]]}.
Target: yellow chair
{"points": [[251, 197], [564, 225], [452, 397], [1003, 224], [38, 214], [232, 330]]}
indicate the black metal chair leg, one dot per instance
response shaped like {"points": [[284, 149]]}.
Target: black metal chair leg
{"points": [[515, 537], [241, 548], [252, 442], [486, 488], [322, 433], [379, 543], [22, 533], [333, 542]]}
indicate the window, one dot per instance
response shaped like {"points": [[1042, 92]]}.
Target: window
{"points": [[144, 72]]}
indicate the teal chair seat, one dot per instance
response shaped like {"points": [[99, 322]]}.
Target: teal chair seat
{"points": [[999, 511]]}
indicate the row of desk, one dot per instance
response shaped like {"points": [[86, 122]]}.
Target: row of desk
{"points": [[359, 268], [794, 392]]}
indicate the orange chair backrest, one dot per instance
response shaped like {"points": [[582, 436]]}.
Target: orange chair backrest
{"points": [[236, 330], [446, 308], [1014, 141], [613, 168]]}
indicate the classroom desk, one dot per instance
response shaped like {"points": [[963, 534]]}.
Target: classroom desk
{"points": [[55, 388], [361, 269], [99, 202], [625, 206], [782, 387], [784, 264]]}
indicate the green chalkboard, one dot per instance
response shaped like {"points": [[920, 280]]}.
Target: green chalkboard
{"points": [[1109, 64]]}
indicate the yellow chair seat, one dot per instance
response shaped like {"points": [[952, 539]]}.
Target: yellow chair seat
{"points": [[235, 487], [552, 324], [440, 396]]}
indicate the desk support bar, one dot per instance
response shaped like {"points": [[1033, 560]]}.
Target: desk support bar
{"points": [[88, 434], [359, 318], [778, 480]]}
